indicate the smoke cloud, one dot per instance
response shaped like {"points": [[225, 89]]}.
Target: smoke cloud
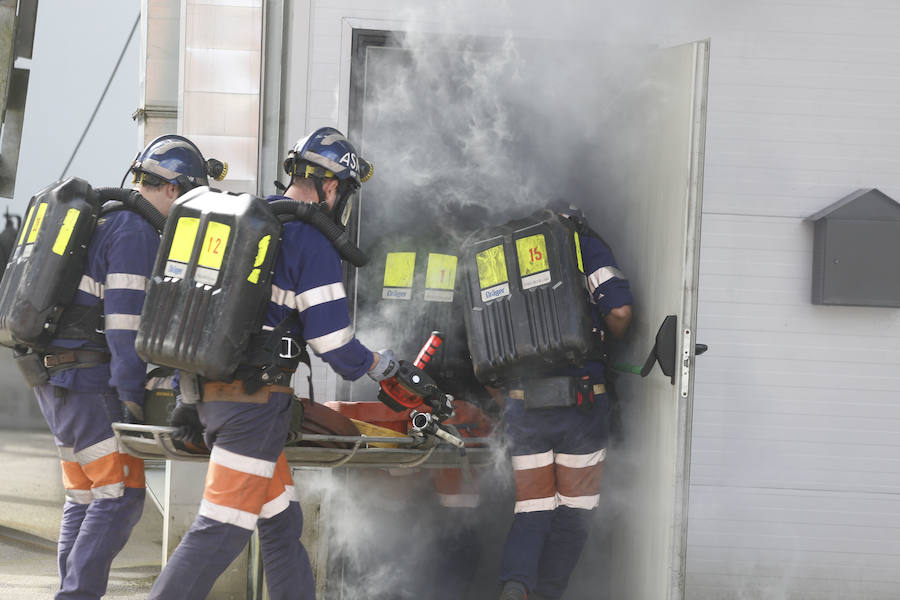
{"points": [[474, 114]]}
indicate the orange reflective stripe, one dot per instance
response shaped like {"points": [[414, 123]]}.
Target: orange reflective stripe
{"points": [[579, 482], [235, 489], [73, 476], [280, 480], [134, 471], [535, 483], [105, 471]]}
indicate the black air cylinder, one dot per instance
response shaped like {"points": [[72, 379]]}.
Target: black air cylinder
{"points": [[46, 265], [527, 310], [211, 282]]}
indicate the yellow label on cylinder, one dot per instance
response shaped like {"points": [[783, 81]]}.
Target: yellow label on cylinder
{"points": [[183, 240], [532, 252], [399, 268], [214, 243], [491, 265], [578, 252], [441, 272], [261, 250], [65, 232], [38, 220], [26, 225]]}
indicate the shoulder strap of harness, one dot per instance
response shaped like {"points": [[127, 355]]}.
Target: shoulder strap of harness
{"points": [[79, 322], [272, 356]]}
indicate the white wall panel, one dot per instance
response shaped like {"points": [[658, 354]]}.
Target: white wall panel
{"points": [[795, 469]]}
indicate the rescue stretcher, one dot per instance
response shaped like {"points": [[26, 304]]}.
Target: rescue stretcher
{"points": [[155, 442]]}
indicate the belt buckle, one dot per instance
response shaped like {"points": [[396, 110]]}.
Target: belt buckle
{"points": [[49, 361], [289, 348]]}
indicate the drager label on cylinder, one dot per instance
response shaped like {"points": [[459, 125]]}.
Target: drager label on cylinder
{"points": [[492, 277], [440, 277], [533, 263], [215, 242], [182, 246], [399, 269], [498, 291]]}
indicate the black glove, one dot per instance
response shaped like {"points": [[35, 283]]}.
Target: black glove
{"points": [[132, 413], [187, 423]]}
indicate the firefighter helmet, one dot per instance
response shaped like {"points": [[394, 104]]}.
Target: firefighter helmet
{"points": [[177, 160], [326, 152]]}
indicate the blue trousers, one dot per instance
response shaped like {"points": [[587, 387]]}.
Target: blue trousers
{"points": [[104, 489], [245, 488], [558, 456]]}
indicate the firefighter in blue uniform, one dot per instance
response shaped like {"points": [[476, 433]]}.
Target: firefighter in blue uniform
{"points": [[249, 483], [94, 382], [558, 453]]}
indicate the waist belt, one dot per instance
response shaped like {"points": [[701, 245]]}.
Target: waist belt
{"points": [[76, 357], [217, 391], [519, 394]]}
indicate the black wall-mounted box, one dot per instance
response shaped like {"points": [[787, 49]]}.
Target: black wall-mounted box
{"points": [[856, 250]]}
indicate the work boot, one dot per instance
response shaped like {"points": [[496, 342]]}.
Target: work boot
{"points": [[514, 590]]}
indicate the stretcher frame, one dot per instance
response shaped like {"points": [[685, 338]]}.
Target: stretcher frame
{"points": [[154, 442]]}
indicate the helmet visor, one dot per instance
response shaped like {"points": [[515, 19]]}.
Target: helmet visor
{"points": [[346, 211], [142, 177]]}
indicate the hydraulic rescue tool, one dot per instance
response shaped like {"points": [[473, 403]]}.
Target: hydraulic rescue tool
{"points": [[412, 387]]}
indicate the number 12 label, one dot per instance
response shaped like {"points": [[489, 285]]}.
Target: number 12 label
{"points": [[215, 241]]}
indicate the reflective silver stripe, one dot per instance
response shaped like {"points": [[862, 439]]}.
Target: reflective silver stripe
{"points": [[160, 383], [459, 500], [155, 168], [323, 161], [284, 298], [225, 514], [331, 341], [97, 451], [320, 295], [536, 504], [601, 276], [244, 464], [532, 461], [79, 496], [113, 490], [66, 453], [122, 321], [580, 461], [584, 502], [89, 286], [275, 506], [126, 281]]}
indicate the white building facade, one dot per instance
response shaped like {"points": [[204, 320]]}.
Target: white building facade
{"points": [[775, 471]]}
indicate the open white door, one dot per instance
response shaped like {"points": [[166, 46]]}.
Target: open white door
{"points": [[639, 182], [657, 243]]}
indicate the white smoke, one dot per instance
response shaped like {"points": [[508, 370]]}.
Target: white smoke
{"points": [[475, 114]]}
